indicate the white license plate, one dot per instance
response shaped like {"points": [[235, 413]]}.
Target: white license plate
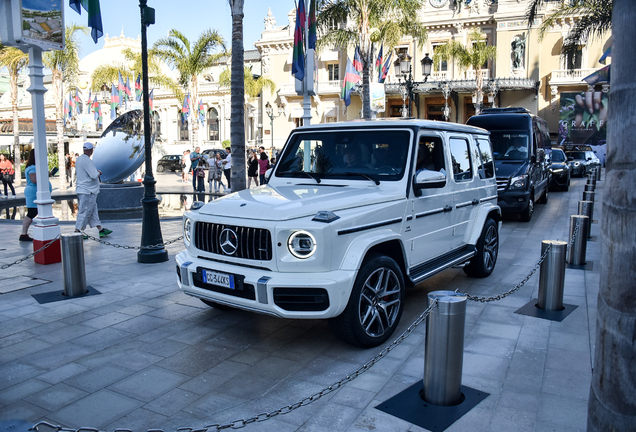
{"points": [[220, 279]]}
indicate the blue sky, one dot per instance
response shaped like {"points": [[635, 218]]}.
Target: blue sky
{"points": [[190, 17]]}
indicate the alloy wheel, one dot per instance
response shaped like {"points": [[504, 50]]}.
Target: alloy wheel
{"points": [[379, 304]]}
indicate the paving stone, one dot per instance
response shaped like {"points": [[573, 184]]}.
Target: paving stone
{"points": [[98, 378], [56, 397], [22, 390], [149, 383]]}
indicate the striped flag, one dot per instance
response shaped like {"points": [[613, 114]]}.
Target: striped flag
{"points": [[357, 60], [121, 87], [311, 23], [128, 90], [201, 112], [114, 101], [151, 103], [94, 15], [600, 76], [88, 110], [185, 109], [351, 78], [95, 107], [298, 64], [378, 62], [71, 104], [138, 88], [66, 111], [385, 68]]}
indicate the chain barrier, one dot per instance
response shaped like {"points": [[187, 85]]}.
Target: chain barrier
{"points": [[115, 245], [6, 266], [241, 423]]}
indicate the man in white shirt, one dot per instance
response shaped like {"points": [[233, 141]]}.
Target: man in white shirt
{"points": [[227, 168], [87, 188]]}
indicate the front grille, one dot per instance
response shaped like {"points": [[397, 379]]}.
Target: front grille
{"points": [[301, 299], [502, 183], [252, 243]]}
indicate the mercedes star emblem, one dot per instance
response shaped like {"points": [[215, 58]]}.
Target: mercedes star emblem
{"points": [[228, 240]]}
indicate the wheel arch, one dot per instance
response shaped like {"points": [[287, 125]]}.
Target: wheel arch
{"points": [[384, 242], [493, 212]]}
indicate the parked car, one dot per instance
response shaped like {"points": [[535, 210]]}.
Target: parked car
{"points": [[581, 162], [352, 213], [213, 152], [560, 170], [519, 141], [169, 163]]}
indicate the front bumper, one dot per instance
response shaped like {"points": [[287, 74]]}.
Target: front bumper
{"points": [[513, 201], [559, 179], [259, 287]]}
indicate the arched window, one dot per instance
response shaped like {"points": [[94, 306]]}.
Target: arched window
{"points": [[213, 124], [183, 128]]}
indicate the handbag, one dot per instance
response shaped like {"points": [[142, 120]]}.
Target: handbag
{"points": [[8, 177], [201, 173]]}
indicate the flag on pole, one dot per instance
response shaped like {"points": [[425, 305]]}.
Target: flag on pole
{"points": [[66, 111], [311, 23], [100, 117], [351, 78], [150, 101], [114, 101], [185, 110], [128, 89], [94, 15], [378, 62], [385, 68], [94, 105], [138, 88], [88, 108], [606, 54], [201, 112], [357, 60], [121, 89], [298, 64], [71, 104]]}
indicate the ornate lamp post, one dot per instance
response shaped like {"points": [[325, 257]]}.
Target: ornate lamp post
{"points": [[403, 67], [269, 110], [150, 228]]}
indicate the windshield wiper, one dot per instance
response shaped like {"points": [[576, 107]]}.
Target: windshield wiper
{"points": [[368, 177], [310, 175]]}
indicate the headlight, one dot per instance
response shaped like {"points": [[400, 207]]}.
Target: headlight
{"points": [[577, 164], [301, 244], [518, 182], [187, 227], [558, 171]]}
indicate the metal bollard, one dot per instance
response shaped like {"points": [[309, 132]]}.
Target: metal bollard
{"points": [[552, 275], [579, 247], [598, 173], [591, 181], [587, 208], [444, 345], [73, 265], [589, 188], [588, 196]]}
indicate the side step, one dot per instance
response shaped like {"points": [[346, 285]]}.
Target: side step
{"points": [[441, 263]]}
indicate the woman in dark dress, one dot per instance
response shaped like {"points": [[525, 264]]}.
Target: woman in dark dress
{"points": [[252, 170]]}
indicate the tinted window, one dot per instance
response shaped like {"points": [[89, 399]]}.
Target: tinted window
{"points": [[576, 154], [558, 156], [378, 154], [460, 157], [487, 167], [430, 155], [510, 145]]}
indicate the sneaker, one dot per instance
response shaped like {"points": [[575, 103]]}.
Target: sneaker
{"points": [[13, 196], [104, 232], [25, 238], [84, 237], [4, 196]]}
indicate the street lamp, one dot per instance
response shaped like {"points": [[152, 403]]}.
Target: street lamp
{"points": [[151, 239], [269, 110], [403, 67]]}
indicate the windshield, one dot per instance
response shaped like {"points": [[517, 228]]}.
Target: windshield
{"points": [[558, 156], [376, 155], [577, 155], [509, 145]]}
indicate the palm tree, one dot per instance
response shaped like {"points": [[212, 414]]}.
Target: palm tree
{"points": [[190, 60], [107, 74], [253, 84], [612, 401], [475, 54], [14, 60], [595, 20], [237, 95], [380, 20], [64, 66]]}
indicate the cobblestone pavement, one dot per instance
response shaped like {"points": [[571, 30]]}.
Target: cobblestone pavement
{"points": [[143, 355]]}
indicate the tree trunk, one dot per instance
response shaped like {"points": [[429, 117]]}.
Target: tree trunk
{"points": [[59, 125], [16, 129], [612, 401], [195, 110], [237, 101]]}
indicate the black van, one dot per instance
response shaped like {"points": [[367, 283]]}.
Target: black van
{"points": [[519, 140]]}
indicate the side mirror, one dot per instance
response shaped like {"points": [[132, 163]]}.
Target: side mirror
{"points": [[589, 158], [268, 173], [429, 179]]}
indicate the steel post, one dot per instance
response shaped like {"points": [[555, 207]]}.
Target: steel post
{"points": [[589, 188], [598, 173], [552, 275], [587, 208], [73, 265], [444, 349], [588, 196], [579, 225]]}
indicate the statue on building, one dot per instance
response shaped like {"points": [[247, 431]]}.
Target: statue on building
{"points": [[518, 49], [270, 21]]}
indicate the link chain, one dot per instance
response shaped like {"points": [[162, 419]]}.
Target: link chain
{"points": [[241, 423], [576, 229], [6, 266], [115, 245]]}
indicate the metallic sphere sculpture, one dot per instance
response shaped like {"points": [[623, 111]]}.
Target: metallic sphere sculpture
{"points": [[120, 151]]}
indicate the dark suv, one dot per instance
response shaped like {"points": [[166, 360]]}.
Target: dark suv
{"points": [[582, 162], [213, 152], [560, 170], [519, 140], [169, 163]]}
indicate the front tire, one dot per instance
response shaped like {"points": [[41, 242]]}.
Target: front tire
{"points": [[375, 305], [160, 168], [544, 197], [526, 215], [483, 263]]}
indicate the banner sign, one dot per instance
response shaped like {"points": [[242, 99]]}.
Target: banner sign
{"points": [[43, 23], [377, 97], [583, 118]]}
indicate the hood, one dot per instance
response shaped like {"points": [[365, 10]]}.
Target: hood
{"points": [[510, 168], [295, 201], [558, 165]]}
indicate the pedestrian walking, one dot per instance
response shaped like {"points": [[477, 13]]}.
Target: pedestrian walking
{"points": [[252, 170], [30, 193], [186, 165], [8, 174], [227, 169], [263, 166], [215, 170], [87, 188], [195, 159], [67, 165], [199, 172]]}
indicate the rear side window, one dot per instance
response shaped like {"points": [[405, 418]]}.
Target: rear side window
{"points": [[487, 167], [460, 156]]}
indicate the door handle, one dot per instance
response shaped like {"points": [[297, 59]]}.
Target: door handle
{"points": [[447, 209], [475, 201]]}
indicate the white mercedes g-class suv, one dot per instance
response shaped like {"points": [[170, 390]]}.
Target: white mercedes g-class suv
{"points": [[351, 214]]}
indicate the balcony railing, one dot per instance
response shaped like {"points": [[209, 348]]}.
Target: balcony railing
{"points": [[564, 76]]}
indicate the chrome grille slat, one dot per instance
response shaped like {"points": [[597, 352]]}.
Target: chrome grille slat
{"points": [[253, 243], [502, 183]]}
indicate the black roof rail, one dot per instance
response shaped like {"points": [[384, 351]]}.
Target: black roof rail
{"points": [[511, 110]]}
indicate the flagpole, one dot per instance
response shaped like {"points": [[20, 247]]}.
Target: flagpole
{"points": [[150, 228]]}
